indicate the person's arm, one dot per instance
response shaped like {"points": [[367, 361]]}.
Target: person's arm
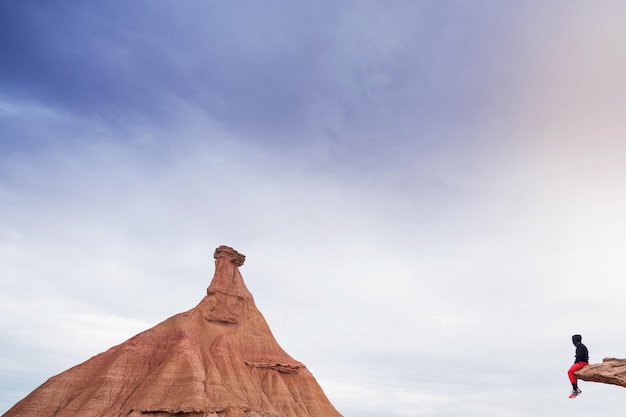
{"points": [[580, 353]]}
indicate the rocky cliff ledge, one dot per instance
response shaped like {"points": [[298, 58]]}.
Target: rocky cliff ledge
{"points": [[610, 371]]}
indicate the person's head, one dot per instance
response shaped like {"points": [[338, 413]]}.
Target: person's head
{"points": [[576, 339]]}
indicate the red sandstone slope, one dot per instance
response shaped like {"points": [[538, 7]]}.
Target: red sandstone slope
{"points": [[218, 359]]}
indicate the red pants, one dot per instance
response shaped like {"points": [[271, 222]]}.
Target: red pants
{"points": [[575, 367]]}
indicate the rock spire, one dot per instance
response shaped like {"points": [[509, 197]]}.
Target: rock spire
{"points": [[218, 359]]}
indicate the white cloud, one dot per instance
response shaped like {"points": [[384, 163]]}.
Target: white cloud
{"points": [[100, 243], [433, 269]]}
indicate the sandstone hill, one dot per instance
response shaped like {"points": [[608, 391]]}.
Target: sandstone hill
{"points": [[610, 371], [218, 359]]}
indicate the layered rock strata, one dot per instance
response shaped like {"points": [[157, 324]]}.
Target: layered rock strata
{"points": [[218, 359], [610, 371]]}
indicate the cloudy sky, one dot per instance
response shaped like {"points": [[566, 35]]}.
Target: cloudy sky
{"points": [[430, 194]]}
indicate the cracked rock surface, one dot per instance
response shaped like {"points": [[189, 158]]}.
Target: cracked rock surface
{"points": [[610, 371]]}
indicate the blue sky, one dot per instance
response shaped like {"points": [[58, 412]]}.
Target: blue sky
{"points": [[430, 195]]}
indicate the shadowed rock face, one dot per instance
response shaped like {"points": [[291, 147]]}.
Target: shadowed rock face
{"points": [[218, 359], [610, 371]]}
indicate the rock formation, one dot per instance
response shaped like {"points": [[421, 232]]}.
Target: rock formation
{"points": [[610, 371], [218, 359]]}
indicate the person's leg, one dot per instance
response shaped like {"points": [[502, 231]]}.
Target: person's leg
{"points": [[570, 373]]}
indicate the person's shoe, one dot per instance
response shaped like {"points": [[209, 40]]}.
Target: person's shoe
{"points": [[575, 393]]}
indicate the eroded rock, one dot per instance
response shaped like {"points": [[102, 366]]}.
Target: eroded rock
{"points": [[218, 359], [610, 371]]}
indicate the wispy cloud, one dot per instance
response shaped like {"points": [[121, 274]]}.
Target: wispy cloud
{"points": [[432, 191]]}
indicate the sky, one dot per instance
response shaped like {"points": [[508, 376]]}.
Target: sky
{"points": [[430, 194]]}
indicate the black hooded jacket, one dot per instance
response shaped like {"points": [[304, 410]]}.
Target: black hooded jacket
{"points": [[582, 354]]}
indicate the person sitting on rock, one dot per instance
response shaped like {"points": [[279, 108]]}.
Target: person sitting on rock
{"points": [[582, 360]]}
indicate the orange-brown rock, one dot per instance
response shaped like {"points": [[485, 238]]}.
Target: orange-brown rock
{"points": [[218, 359], [610, 371]]}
